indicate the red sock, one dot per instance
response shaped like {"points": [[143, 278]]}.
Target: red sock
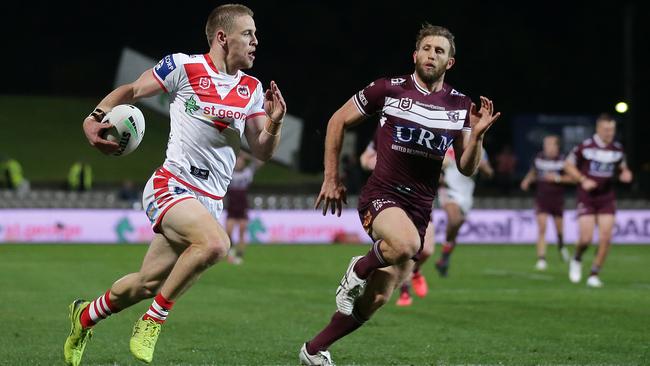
{"points": [[159, 309], [99, 309], [371, 261], [340, 326]]}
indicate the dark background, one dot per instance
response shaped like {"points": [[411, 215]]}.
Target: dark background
{"points": [[552, 57]]}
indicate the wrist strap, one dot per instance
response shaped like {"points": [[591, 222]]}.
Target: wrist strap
{"points": [[98, 115]]}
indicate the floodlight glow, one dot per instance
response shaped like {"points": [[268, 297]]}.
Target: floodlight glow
{"points": [[621, 107]]}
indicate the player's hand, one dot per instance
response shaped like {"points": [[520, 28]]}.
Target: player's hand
{"points": [[274, 104], [625, 176], [524, 185], [588, 184], [481, 120], [333, 195], [551, 177], [94, 131]]}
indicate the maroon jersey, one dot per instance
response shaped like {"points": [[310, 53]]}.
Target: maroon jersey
{"points": [[543, 166], [600, 162], [237, 195], [415, 130]]}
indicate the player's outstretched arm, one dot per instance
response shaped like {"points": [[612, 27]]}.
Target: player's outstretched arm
{"points": [[263, 132], [145, 86], [528, 179], [333, 192], [471, 146]]}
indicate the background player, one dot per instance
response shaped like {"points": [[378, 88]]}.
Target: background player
{"points": [[421, 117], [595, 164], [214, 104], [368, 160], [546, 172], [456, 199], [237, 203]]}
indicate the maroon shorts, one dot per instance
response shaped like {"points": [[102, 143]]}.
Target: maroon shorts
{"points": [[419, 215], [596, 206], [237, 205], [553, 207]]}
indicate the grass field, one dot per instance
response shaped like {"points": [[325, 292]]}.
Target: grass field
{"points": [[492, 310]]}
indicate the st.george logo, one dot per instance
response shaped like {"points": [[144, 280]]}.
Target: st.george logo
{"points": [[205, 82], [243, 91]]}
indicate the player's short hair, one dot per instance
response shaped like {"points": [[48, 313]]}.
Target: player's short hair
{"points": [[605, 117], [553, 136], [223, 17], [435, 30]]}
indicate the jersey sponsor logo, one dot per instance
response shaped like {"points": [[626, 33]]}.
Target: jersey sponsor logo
{"points": [[405, 104], [179, 190], [205, 82], [453, 116], [191, 106], [363, 99], [165, 67], [456, 92], [199, 173], [208, 93], [415, 136], [397, 81]]}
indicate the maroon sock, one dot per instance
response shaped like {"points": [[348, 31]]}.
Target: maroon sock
{"points": [[370, 262], [340, 326], [580, 250]]}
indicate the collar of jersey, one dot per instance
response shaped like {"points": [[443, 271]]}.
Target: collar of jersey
{"points": [[208, 59]]}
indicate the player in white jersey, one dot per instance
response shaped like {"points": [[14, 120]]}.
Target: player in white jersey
{"points": [[456, 198], [212, 105]]}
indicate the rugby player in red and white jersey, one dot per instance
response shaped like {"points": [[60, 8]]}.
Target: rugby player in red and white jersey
{"points": [[596, 164], [546, 172], [456, 197], [420, 117], [212, 105]]}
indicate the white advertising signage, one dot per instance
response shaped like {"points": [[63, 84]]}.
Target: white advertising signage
{"points": [[295, 227]]}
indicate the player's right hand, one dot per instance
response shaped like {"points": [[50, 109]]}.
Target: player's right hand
{"points": [[333, 195], [524, 185], [588, 184], [94, 131]]}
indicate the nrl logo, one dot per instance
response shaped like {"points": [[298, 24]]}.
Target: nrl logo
{"points": [[405, 104], [243, 91], [453, 116], [204, 82]]}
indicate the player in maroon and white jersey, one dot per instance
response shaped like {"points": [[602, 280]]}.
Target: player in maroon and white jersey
{"points": [[213, 104], [596, 164], [546, 172], [237, 204], [368, 161], [420, 118]]}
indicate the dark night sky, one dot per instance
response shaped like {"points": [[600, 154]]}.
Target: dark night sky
{"points": [[550, 57]]}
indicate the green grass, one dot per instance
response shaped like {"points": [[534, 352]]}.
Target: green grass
{"points": [[44, 134], [493, 309]]}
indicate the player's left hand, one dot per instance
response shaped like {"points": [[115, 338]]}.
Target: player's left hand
{"points": [[482, 120], [274, 104], [625, 176]]}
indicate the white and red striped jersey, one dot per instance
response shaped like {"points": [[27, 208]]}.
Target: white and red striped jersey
{"points": [[208, 112]]}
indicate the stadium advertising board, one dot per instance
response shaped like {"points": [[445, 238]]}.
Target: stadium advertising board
{"points": [[294, 227]]}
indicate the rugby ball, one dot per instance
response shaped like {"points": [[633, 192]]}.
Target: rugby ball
{"points": [[127, 130]]}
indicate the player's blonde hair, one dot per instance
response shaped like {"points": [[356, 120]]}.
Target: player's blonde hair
{"points": [[436, 30], [223, 17]]}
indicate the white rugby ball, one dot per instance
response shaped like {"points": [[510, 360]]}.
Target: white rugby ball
{"points": [[127, 130]]}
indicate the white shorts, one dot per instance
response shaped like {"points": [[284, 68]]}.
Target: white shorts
{"points": [[164, 190], [464, 201]]}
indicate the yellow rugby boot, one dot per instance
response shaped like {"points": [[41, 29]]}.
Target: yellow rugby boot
{"points": [[74, 346], [143, 340]]}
